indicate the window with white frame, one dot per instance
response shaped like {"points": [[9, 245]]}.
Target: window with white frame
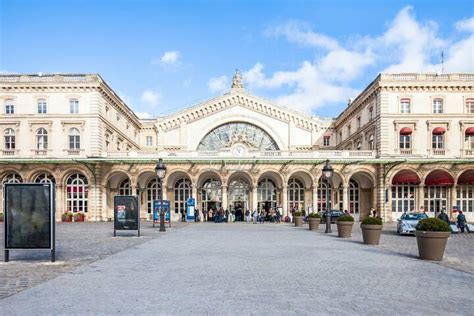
{"points": [[74, 106], [371, 142], [470, 106], [9, 107], [74, 139], [149, 141], [182, 192], [326, 141], [153, 191], [41, 139], [77, 190], [438, 106], [403, 197], [42, 106], [45, 177], [295, 194], [371, 113], [438, 141], [125, 188], [405, 141], [12, 178], [405, 106], [9, 139], [465, 198]]}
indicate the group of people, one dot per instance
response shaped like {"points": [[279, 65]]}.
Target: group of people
{"points": [[460, 220], [219, 215]]}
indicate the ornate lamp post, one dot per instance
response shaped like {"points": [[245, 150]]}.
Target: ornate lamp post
{"points": [[327, 174], [160, 170]]}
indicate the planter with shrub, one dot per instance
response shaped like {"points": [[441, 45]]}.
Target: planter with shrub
{"points": [[1, 217], [66, 217], [344, 226], [432, 236], [371, 229], [314, 219], [79, 217], [298, 216]]}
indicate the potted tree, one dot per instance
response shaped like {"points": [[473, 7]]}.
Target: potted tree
{"points": [[431, 236], [66, 217], [298, 216], [344, 226], [79, 217], [314, 219], [371, 229]]}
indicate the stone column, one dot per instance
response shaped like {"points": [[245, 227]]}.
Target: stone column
{"points": [[345, 198], [254, 198], [224, 197], [315, 198], [194, 196], [284, 201], [453, 198], [59, 201], [421, 197]]}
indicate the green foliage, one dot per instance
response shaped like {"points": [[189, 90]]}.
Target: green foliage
{"points": [[298, 214], [314, 215], [1, 217], [372, 221], [432, 225], [345, 218]]}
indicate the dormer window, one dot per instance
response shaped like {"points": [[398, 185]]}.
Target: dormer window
{"points": [[326, 141]]}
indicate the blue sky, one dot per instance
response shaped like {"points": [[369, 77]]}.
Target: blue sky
{"points": [[161, 56]]}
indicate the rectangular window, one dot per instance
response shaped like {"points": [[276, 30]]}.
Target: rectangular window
{"points": [[9, 109], [326, 140], [405, 141], [371, 113], [438, 142], [149, 141], [74, 142], [470, 106], [73, 106], [405, 106], [349, 130], [358, 123], [437, 106], [42, 109]]}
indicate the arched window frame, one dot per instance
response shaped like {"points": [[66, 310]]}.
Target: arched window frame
{"points": [[295, 193], [182, 192], [42, 139], [9, 139], [77, 191], [12, 178], [74, 139], [125, 187], [45, 177], [152, 194]]}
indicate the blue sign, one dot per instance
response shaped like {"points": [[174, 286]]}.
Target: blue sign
{"points": [[190, 207], [157, 204]]}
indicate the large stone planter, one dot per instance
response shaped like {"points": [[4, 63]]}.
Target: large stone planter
{"points": [[298, 221], [344, 229], [314, 223], [371, 234], [431, 245]]}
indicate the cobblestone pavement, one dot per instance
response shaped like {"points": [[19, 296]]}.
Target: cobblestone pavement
{"points": [[77, 244], [256, 269]]}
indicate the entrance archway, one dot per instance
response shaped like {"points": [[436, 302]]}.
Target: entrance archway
{"points": [[239, 197], [404, 189], [437, 191], [465, 194]]}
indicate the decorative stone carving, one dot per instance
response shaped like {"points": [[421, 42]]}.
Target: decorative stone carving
{"points": [[237, 82]]}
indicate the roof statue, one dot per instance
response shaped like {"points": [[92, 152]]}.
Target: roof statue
{"points": [[237, 80]]}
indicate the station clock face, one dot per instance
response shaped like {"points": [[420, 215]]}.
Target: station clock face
{"points": [[238, 151]]}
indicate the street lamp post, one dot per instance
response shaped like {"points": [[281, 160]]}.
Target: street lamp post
{"points": [[327, 174], [160, 170]]}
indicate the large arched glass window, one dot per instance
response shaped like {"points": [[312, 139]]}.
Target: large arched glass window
{"points": [[12, 178], [124, 187], [45, 177], [354, 197], [153, 191], [9, 139], [182, 192], [41, 139], [295, 194], [211, 194], [74, 139], [239, 190], [266, 194], [77, 191], [225, 136]]}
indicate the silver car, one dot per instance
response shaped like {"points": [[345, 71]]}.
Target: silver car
{"points": [[408, 221]]}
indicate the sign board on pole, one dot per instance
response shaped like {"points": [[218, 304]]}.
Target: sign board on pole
{"points": [[190, 207], [29, 217], [165, 204], [126, 213]]}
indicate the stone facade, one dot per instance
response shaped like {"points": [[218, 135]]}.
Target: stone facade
{"points": [[406, 142]]}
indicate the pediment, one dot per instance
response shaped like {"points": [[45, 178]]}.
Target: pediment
{"points": [[238, 98]]}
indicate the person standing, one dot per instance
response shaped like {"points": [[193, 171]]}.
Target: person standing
{"points": [[461, 221], [443, 216]]}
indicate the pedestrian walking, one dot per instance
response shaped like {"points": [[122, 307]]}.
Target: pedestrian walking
{"points": [[461, 221], [443, 216]]}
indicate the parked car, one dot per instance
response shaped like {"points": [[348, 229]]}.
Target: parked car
{"points": [[335, 214], [408, 221]]}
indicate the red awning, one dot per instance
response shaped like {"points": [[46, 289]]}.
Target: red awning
{"points": [[405, 131], [467, 177], [406, 176], [470, 131], [440, 178], [439, 131]]}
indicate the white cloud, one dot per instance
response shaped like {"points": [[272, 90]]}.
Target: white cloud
{"points": [[218, 84], [466, 25], [150, 98], [169, 58], [144, 115]]}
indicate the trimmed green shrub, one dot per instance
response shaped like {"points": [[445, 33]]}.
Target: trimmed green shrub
{"points": [[433, 225], [345, 218], [298, 214], [314, 215], [372, 221], [1, 217]]}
